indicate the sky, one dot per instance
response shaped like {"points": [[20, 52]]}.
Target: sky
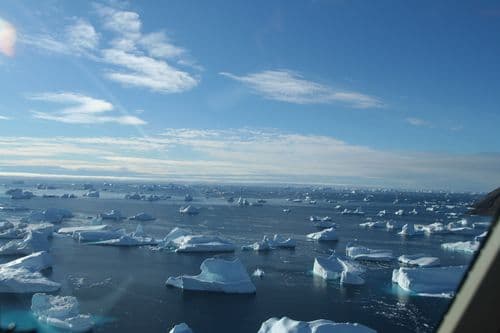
{"points": [[362, 93]]}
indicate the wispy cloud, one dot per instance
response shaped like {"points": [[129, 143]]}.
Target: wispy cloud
{"points": [[418, 122], [130, 57], [81, 109], [291, 87], [4, 117], [248, 155]]}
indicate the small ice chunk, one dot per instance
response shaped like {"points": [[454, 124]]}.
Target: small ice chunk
{"points": [[258, 273], [467, 247], [142, 217], [283, 242], [399, 212], [242, 202], [381, 213], [113, 214], [364, 253], [287, 325], [181, 328], [263, 245], [217, 275], [329, 234], [420, 260], [481, 237], [61, 312], [373, 224], [434, 280], [50, 215], [410, 230], [189, 210], [92, 194]]}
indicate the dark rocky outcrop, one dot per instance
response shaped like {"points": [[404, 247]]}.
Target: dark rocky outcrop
{"points": [[489, 205]]}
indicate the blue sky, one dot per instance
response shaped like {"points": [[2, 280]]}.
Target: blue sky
{"points": [[379, 93]]}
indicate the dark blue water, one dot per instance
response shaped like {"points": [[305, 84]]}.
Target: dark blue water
{"points": [[125, 287]]}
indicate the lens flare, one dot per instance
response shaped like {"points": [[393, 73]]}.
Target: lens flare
{"points": [[7, 38]]}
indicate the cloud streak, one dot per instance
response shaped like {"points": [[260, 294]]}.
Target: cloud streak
{"points": [[418, 122], [81, 109], [289, 86], [248, 155]]}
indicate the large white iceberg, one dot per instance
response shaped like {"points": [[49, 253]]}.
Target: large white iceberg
{"points": [[287, 325], [217, 275], [22, 275], [61, 312], [433, 281], [32, 242], [329, 234], [366, 254], [420, 260], [467, 247], [333, 268], [181, 328]]}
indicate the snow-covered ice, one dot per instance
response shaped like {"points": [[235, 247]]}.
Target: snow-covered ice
{"points": [[61, 312], [217, 275], [364, 253], [466, 247], [288, 325], [433, 281], [329, 234], [32, 242], [420, 260]]}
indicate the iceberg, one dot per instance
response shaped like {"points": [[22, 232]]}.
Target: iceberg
{"points": [[32, 242], [283, 242], [466, 247], [201, 243], [413, 212], [324, 235], [420, 260], [429, 281], [97, 235], [286, 210], [287, 325], [333, 268], [399, 212], [127, 240], [373, 224], [181, 328], [366, 254], [381, 213], [217, 275], [61, 312], [189, 210], [142, 217], [347, 277], [258, 273], [81, 228], [242, 202], [410, 230], [49, 215], [113, 214], [92, 194], [17, 194], [22, 276], [263, 245]]}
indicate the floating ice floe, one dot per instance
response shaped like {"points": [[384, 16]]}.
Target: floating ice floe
{"points": [[188, 210], [481, 225], [202, 243], [142, 217], [437, 281], [466, 247], [374, 224], [399, 212], [413, 212], [97, 235], [347, 277], [137, 238], [242, 202], [181, 328], [357, 211], [331, 268], [283, 242], [50, 215], [113, 214], [217, 275], [420, 260], [366, 254], [286, 210], [32, 242], [381, 213], [22, 275], [92, 194], [61, 312], [329, 234], [81, 228], [287, 325], [409, 229]]}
